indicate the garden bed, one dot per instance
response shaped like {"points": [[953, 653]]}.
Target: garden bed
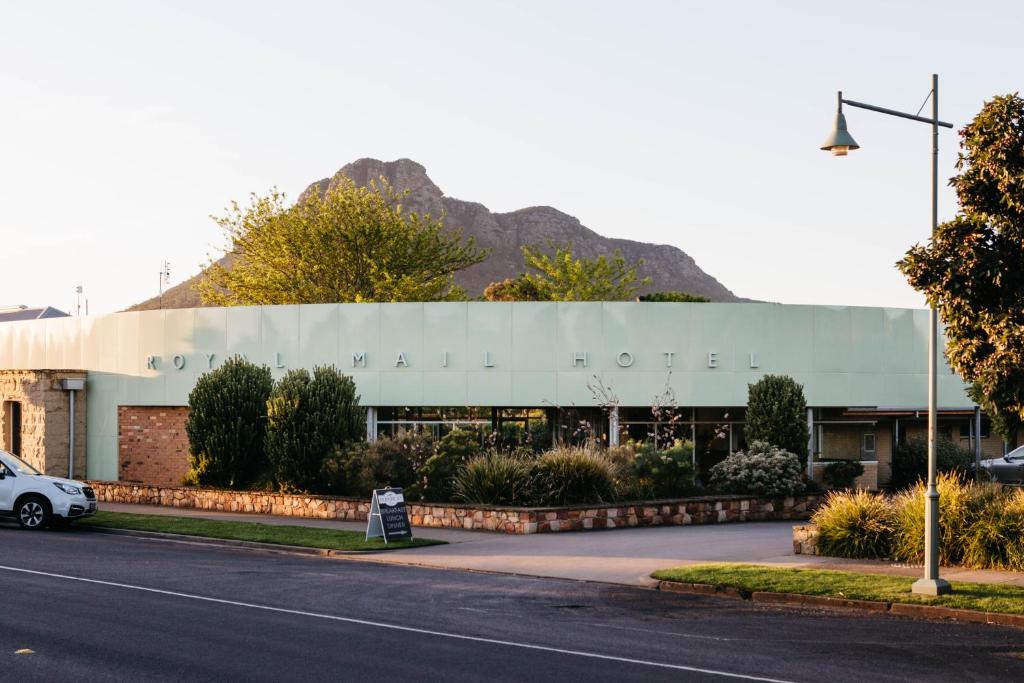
{"points": [[513, 520]]}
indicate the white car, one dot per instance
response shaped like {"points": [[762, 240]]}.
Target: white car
{"points": [[36, 500]]}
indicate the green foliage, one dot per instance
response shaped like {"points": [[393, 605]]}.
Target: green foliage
{"points": [[763, 470], [388, 461], [495, 479], [910, 461], [435, 479], [650, 472], [777, 414], [571, 475], [958, 503], [226, 425], [971, 269], [995, 538], [855, 524], [559, 276], [841, 474], [348, 244], [1005, 423], [674, 297], [309, 419]]}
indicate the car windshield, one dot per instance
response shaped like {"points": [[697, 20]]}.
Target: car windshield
{"points": [[16, 464], [1016, 454]]}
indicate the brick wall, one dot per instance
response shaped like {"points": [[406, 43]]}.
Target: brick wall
{"points": [[152, 444]]}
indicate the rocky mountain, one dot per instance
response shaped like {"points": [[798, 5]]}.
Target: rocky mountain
{"points": [[669, 268]]}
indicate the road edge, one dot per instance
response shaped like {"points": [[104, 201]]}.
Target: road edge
{"points": [[903, 609]]}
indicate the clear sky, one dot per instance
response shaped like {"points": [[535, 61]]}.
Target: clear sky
{"points": [[125, 125]]}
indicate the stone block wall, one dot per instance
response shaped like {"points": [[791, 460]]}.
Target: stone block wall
{"points": [[511, 520], [45, 419], [152, 444]]}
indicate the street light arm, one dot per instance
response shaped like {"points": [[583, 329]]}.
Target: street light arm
{"points": [[893, 112]]}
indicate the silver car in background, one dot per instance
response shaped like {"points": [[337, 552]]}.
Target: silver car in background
{"points": [[1008, 469]]}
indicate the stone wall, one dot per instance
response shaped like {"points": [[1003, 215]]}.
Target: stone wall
{"points": [[703, 510], [45, 419], [152, 444]]}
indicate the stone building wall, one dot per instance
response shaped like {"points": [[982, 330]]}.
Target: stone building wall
{"points": [[152, 444], [511, 520], [45, 419]]}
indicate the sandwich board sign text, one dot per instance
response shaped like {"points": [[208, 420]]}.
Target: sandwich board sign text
{"points": [[388, 517]]}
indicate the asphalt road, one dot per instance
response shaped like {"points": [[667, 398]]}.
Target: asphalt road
{"points": [[112, 608]]}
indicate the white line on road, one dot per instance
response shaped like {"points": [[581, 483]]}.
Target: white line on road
{"points": [[396, 627]]}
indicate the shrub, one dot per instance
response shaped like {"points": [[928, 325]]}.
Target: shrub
{"points": [[958, 503], [435, 479], [388, 461], [308, 419], [841, 474], [494, 479], [910, 461], [777, 414], [763, 470], [226, 425], [677, 297], [995, 537], [570, 475], [855, 524], [660, 473]]}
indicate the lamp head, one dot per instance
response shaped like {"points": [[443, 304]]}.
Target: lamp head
{"points": [[840, 142]]}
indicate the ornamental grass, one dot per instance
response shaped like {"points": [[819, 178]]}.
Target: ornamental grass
{"points": [[855, 524]]}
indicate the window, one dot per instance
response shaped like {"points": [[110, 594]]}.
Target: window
{"points": [[12, 426], [967, 427], [868, 444]]}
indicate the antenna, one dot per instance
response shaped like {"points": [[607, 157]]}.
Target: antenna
{"points": [[78, 299], [165, 279]]}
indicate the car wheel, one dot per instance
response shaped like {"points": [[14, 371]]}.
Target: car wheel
{"points": [[34, 513]]}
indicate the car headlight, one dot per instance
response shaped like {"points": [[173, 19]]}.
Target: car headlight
{"points": [[68, 489]]}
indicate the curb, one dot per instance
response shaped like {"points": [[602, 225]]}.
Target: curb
{"points": [[933, 612], [231, 543]]}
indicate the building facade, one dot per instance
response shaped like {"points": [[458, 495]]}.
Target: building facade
{"points": [[540, 370]]}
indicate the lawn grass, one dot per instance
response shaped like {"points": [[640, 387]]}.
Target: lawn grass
{"points": [[308, 537], [851, 585]]}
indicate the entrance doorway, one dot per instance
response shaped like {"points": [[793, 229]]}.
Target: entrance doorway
{"points": [[12, 426]]}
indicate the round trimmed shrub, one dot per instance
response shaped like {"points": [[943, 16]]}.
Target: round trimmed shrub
{"points": [[842, 474], [494, 479], [226, 425], [309, 418], [573, 475], [388, 461], [855, 524], [910, 461], [763, 470]]}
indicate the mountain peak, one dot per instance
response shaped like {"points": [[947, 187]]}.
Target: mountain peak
{"points": [[669, 268]]}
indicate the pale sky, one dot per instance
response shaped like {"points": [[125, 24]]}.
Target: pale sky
{"points": [[124, 125]]}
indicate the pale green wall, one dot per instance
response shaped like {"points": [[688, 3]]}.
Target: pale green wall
{"points": [[844, 356]]}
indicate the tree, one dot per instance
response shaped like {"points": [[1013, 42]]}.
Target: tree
{"points": [[348, 244], [777, 414], [559, 276], [674, 297], [309, 419], [226, 424], [972, 270]]}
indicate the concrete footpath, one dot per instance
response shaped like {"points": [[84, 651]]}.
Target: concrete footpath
{"points": [[622, 556]]}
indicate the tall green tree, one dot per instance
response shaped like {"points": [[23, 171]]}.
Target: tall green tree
{"points": [[309, 418], [777, 414], [227, 420], [557, 275], [348, 244], [972, 270]]}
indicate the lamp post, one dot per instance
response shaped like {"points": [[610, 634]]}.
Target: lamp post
{"points": [[839, 143]]}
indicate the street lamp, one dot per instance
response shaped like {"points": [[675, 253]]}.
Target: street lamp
{"points": [[839, 143]]}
